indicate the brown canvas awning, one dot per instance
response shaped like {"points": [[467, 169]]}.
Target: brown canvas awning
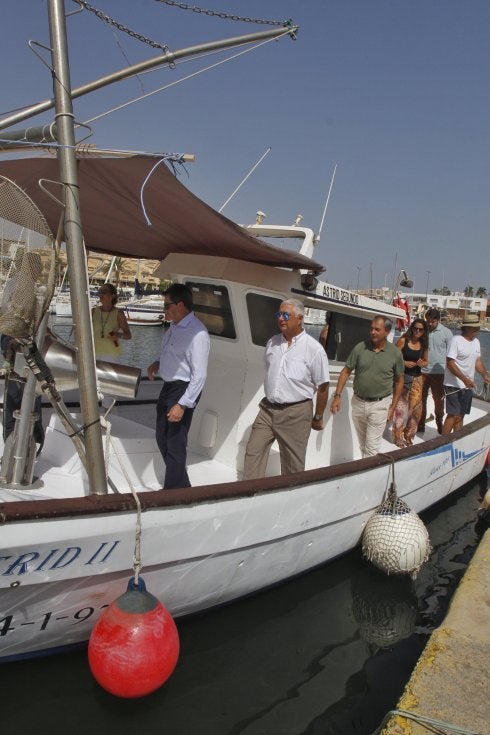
{"points": [[113, 219]]}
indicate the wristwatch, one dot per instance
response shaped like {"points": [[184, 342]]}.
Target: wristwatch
{"points": [[318, 416]]}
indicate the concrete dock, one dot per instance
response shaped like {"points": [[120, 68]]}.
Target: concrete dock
{"points": [[451, 681]]}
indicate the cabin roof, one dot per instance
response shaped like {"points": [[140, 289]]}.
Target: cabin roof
{"points": [[115, 193]]}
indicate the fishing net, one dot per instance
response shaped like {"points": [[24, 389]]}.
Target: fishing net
{"points": [[29, 260], [395, 540]]}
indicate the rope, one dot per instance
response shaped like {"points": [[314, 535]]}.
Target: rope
{"points": [[137, 563], [162, 160], [440, 727]]}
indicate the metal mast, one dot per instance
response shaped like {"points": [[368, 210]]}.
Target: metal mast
{"points": [[75, 249]]}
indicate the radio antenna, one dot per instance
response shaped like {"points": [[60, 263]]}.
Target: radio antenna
{"points": [[317, 238], [244, 179]]}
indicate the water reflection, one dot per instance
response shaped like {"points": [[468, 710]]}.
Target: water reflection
{"points": [[385, 607]]}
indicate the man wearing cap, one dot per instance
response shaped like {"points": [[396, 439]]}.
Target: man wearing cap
{"points": [[463, 358], [433, 374], [378, 384]]}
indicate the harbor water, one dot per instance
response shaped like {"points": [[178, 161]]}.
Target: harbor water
{"points": [[328, 653]]}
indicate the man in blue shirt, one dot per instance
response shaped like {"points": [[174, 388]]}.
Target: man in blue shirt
{"points": [[182, 365], [433, 374]]}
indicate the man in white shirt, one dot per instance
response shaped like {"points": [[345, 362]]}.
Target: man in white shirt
{"points": [[296, 369], [182, 366], [463, 358]]}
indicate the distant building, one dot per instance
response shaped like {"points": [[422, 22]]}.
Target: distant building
{"points": [[453, 305]]}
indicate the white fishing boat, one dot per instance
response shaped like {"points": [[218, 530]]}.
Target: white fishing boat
{"points": [[70, 517]]}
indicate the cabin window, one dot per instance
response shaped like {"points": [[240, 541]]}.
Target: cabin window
{"points": [[212, 306], [261, 315], [344, 333]]}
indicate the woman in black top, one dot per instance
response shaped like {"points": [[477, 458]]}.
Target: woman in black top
{"points": [[414, 345]]}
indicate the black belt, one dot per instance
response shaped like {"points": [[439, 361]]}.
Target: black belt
{"points": [[370, 400], [176, 382], [284, 405]]}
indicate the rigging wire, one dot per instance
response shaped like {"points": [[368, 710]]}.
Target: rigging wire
{"points": [[177, 81], [125, 56]]}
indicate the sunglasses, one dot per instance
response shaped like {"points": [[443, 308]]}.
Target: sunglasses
{"points": [[166, 304], [284, 314], [418, 329]]}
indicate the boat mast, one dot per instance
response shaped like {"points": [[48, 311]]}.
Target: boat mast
{"points": [[75, 249]]}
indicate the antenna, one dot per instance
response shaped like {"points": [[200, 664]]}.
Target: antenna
{"points": [[244, 179], [317, 238]]}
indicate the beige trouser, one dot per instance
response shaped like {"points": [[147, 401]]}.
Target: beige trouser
{"points": [[369, 419], [290, 426]]}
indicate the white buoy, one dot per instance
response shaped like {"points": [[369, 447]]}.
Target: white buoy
{"points": [[395, 540]]}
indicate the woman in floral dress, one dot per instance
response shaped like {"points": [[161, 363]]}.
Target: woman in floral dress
{"points": [[414, 345]]}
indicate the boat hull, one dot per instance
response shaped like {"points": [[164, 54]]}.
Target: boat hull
{"points": [[202, 546]]}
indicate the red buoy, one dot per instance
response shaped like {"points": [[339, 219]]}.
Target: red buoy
{"points": [[134, 645]]}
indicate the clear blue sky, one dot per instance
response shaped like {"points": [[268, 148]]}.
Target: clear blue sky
{"points": [[396, 92]]}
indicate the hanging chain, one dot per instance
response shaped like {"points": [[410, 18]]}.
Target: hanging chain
{"points": [[120, 27], [224, 16]]}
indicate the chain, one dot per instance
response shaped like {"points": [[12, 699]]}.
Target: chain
{"points": [[110, 21], [225, 16]]}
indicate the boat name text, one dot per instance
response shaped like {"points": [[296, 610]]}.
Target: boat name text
{"points": [[339, 294], [36, 561]]}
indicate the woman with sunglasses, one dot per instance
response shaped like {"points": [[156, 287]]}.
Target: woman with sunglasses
{"points": [[414, 345]]}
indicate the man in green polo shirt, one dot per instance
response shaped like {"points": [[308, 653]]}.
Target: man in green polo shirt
{"points": [[378, 384]]}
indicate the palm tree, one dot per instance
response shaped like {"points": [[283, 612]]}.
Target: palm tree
{"points": [[118, 265], [481, 292], [468, 291]]}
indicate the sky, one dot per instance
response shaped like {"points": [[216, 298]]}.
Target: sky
{"points": [[395, 93]]}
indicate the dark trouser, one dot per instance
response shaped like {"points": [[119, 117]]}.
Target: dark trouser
{"points": [[435, 384], [12, 402], [172, 436]]}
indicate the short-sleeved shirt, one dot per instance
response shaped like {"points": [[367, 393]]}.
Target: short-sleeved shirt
{"points": [[439, 339], [375, 372], [294, 372], [465, 353]]}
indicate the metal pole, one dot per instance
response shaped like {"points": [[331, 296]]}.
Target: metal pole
{"points": [[75, 250], [244, 179], [317, 239], [427, 286]]}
